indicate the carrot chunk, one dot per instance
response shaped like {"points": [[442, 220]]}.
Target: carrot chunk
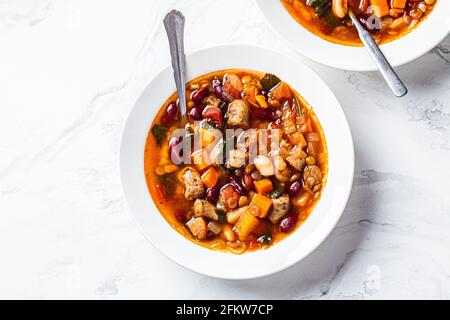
{"points": [[262, 204], [282, 92], [245, 225], [210, 177], [263, 186], [298, 139], [380, 7], [398, 4]]}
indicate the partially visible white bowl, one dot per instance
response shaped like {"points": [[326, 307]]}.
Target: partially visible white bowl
{"points": [[408, 48], [302, 241]]}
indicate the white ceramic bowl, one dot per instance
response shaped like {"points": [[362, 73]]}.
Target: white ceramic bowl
{"points": [[302, 241], [408, 48]]}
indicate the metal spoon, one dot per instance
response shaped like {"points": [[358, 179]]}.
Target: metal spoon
{"points": [[394, 82], [174, 24]]}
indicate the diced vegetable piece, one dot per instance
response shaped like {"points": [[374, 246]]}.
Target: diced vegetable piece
{"points": [[201, 159], [263, 186], [254, 210], [203, 208], [297, 138], [398, 4], [261, 101], [159, 132], [269, 81], [296, 162], [380, 7], [263, 204], [245, 225], [282, 92], [198, 227], [210, 177]]}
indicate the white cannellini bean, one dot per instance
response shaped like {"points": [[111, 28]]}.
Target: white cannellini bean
{"points": [[264, 165], [340, 8]]}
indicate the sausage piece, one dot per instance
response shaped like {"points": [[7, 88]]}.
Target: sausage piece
{"points": [[203, 208], [312, 176], [193, 185], [280, 207], [238, 114], [198, 227], [232, 86]]}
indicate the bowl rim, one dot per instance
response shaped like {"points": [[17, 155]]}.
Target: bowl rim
{"points": [[346, 185], [356, 58]]}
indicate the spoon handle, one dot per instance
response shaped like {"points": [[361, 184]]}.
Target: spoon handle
{"points": [[380, 60], [174, 24]]}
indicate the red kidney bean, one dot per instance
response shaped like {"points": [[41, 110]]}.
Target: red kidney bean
{"points": [[176, 158], [264, 114], [180, 215], [288, 223], [218, 88], [212, 194], [237, 185], [198, 95], [172, 111], [210, 235], [295, 188], [195, 113], [247, 181]]}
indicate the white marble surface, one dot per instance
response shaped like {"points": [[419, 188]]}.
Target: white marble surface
{"points": [[70, 71]]}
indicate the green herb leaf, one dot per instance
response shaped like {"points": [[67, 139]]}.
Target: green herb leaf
{"points": [[159, 132], [222, 216], [269, 81], [319, 6], [275, 194], [265, 239]]}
